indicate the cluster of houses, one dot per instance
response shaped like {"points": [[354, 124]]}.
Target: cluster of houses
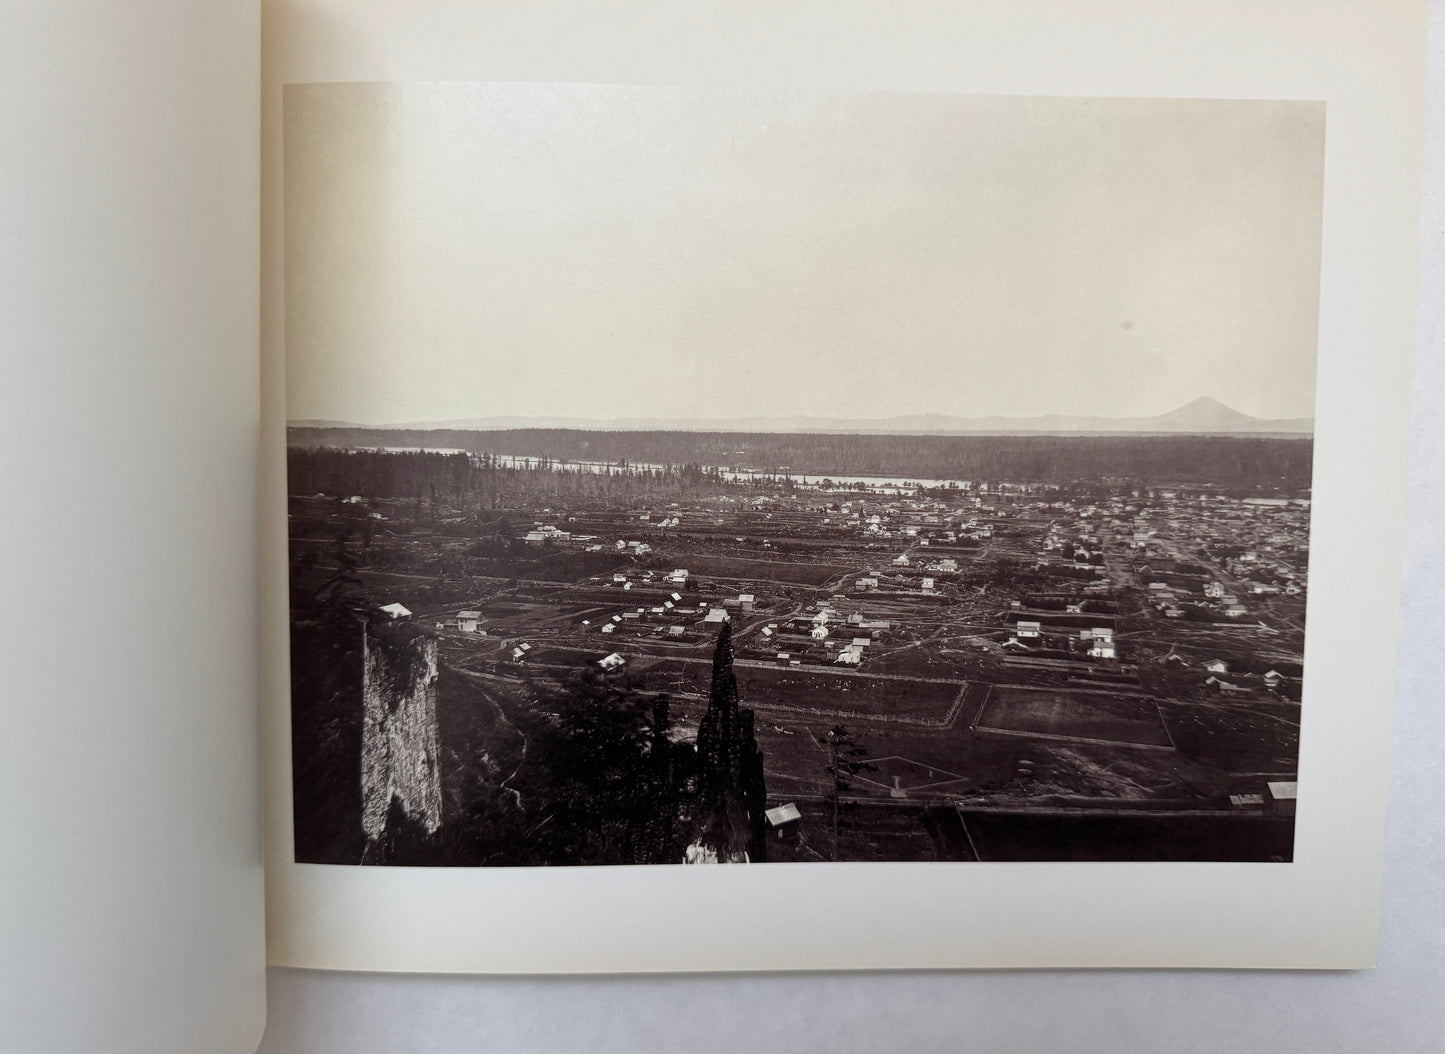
{"points": [[926, 521], [1168, 592], [1097, 642], [675, 579], [908, 576], [1263, 552], [1263, 544], [671, 616], [547, 532], [824, 636], [633, 547], [1221, 679], [1083, 551], [675, 615]]}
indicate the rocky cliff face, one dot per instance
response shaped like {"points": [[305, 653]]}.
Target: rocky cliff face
{"points": [[399, 728]]}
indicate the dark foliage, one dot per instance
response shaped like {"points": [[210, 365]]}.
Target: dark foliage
{"points": [[731, 795], [614, 778], [1251, 463]]}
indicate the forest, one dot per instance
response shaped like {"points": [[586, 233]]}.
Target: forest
{"points": [[479, 482], [1253, 464]]}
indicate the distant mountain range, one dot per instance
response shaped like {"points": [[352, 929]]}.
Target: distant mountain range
{"points": [[1203, 416]]}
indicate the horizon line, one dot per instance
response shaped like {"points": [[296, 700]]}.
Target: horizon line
{"points": [[994, 422]]}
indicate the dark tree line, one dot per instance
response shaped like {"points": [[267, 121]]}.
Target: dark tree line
{"points": [[1254, 462], [480, 482]]}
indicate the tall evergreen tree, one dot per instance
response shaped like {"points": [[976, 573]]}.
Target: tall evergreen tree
{"points": [[731, 794]]}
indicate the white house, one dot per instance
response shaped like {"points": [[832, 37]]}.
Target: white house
{"points": [[1282, 795], [783, 814], [395, 611]]}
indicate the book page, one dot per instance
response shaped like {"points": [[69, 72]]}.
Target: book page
{"points": [[132, 880], [906, 472]]}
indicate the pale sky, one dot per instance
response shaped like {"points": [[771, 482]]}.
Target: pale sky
{"points": [[471, 250]]}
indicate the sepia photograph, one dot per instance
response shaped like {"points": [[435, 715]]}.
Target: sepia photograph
{"points": [[704, 475]]}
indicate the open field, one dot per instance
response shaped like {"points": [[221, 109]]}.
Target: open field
{"points": [[789, 572], [819, 692], [1090, 716]]}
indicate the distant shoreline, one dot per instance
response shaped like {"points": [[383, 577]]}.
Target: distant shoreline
{"points": [[1203, 416]]}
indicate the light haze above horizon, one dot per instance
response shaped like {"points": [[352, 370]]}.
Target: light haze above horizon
{"points": [[466, 251]]}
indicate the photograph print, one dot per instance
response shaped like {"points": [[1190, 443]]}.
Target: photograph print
{"points": [[708, 476]]}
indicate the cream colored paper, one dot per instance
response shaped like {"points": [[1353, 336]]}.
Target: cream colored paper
{"points": [[1365, 62], [130, 877]]}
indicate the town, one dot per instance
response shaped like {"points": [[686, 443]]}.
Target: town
{"points": [[1102, 668]]}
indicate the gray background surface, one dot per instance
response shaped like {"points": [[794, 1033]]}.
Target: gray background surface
{"points": [[1399, 1006]]}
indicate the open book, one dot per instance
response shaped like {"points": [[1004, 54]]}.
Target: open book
{"points": [[940, 474]]}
